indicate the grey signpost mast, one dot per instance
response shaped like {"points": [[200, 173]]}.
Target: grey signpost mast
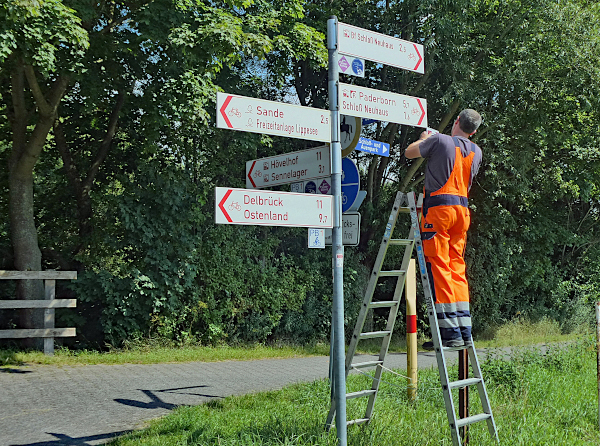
{"points": [[339, 366]]}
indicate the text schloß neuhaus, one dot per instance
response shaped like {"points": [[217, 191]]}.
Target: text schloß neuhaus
{"points": [[370, 105]]}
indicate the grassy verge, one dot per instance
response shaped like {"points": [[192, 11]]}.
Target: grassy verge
{"points": [[516, 333], [537, 399], [155, 354]]}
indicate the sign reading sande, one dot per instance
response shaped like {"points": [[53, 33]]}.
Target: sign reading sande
{"points": [[382, 105], [272, 118], [359, 42]]}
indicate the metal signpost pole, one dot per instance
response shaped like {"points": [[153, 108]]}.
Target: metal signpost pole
{"points": [[339, 370]]}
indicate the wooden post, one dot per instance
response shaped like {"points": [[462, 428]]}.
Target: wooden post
{"points": [[49, 294], [411, 330]]}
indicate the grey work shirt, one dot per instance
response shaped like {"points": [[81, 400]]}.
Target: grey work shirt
{"points": [[440, 152]]}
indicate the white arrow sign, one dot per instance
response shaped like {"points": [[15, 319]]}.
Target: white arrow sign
{"points": [[273, 118], [383, 105], [359, 42], [269, 208], [288, 168]]}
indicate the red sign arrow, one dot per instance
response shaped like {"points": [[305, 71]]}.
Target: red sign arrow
{"points": [[420, 57], [222, 110], [250, 174], [227, 194], [422, 110]]}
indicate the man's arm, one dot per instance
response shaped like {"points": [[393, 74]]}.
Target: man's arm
{"points": [[412, 151]]}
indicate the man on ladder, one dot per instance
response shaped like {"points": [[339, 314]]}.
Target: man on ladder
{"points": [[453, 162]]}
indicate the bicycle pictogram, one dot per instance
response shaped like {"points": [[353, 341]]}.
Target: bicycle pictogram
{"points": [[235, 205], [235, 111]]}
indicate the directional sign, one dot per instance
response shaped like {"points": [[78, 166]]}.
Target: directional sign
{"points": [[350, 230], [380, 48], [288, 168], [269, 208], [372, 146], [273, 118], [383, 105]]}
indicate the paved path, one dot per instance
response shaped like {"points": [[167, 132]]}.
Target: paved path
{"points": [[87, 405]]}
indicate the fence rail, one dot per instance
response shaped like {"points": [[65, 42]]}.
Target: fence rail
{"points": [[49, 332]]}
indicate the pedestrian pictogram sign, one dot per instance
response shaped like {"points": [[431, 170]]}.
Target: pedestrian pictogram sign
{"points": [[272, 118], [388, 50], [383, 105], [289, 168], [269, 208]]}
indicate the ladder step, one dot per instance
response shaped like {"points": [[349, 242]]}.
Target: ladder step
{"points": [[383, 304], [464, 383], [357, 421], [474, 419], [393, 273], [454, 349], [400, 241], [404, 210], [360, 394], [362, 365], [374, 334]]}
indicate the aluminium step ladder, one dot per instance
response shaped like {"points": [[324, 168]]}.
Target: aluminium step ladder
{"points": [[414, 239], [369, 304], [447, 385]]}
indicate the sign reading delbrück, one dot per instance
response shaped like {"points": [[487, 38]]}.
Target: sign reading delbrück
{"points": [[383, 105], [269, 208], [359, 42], [272, 118], [289, 168]]}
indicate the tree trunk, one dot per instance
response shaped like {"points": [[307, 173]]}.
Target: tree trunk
{"points": [[26, 150]]}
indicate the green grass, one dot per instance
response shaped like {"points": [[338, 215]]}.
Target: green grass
{"points": [[537, 399], [516, 333], [158, 354]]}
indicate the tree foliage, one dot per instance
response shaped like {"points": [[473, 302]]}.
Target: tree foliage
{"points": [[112, 104]]}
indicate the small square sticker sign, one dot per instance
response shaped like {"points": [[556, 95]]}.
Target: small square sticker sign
{"points": [[316, 238]]}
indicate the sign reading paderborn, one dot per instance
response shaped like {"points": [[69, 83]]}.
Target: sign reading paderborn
{"points": [[382, 105]]}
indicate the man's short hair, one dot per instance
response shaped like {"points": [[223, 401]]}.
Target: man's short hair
{"points": [[469, 120]]}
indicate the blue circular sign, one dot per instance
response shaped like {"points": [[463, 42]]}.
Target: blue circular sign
{"points": [[350, 183], [310, 188], [357, 67]]}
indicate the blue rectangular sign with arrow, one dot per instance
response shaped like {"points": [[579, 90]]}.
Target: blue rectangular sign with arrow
{"points": [[372, 146]]}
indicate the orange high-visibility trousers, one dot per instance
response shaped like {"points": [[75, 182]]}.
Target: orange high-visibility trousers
{"points": [[444, 234]]}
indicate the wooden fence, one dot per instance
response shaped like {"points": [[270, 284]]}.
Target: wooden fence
{"points": [[49, 332]]}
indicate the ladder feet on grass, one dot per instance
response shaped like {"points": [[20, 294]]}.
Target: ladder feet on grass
{"points": [[405, 203]]}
